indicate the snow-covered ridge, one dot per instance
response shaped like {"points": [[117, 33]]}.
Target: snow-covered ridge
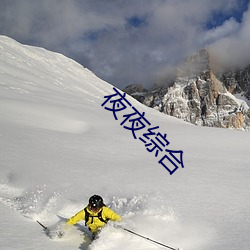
{"points": [[35, 75], [48, 67]]}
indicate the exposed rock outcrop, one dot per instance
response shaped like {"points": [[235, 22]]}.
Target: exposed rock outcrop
{"points": [[199, 96]]}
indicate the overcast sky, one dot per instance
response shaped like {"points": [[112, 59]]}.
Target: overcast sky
{"points": [[131, 41]]}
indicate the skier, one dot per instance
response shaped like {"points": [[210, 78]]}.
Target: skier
{"points": [[95, 214]]}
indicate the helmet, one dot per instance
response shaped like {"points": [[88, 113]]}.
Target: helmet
{"points": [[95, 202]]}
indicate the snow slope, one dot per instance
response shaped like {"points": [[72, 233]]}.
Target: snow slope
{"points": [[59, 146]]}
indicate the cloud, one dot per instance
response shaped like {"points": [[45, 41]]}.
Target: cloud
{"points": [[228, 28], [233, 49], [125, 42]]}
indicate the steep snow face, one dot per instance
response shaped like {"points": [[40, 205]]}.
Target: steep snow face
{"points": [[59, 146]]}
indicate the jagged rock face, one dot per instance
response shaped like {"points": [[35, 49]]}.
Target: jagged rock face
{"points": [[136, 90], [237, 81], [199, 97]]}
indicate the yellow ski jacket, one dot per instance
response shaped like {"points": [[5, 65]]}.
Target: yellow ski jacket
{"points": [[94, 223]]}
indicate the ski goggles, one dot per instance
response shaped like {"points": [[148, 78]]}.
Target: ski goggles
{"points": [[94, 208]]}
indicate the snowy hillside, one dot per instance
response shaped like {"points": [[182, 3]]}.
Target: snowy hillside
{"points": [[59, 146]]}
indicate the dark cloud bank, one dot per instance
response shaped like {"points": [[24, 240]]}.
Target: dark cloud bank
{"points": [[133, 41]]}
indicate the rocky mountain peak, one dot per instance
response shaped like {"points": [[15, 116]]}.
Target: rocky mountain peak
{"points": [[200, 96], [196, 64]]}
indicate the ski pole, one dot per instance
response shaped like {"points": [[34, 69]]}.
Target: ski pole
{"points": [[146, 238], [45, 228]]}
